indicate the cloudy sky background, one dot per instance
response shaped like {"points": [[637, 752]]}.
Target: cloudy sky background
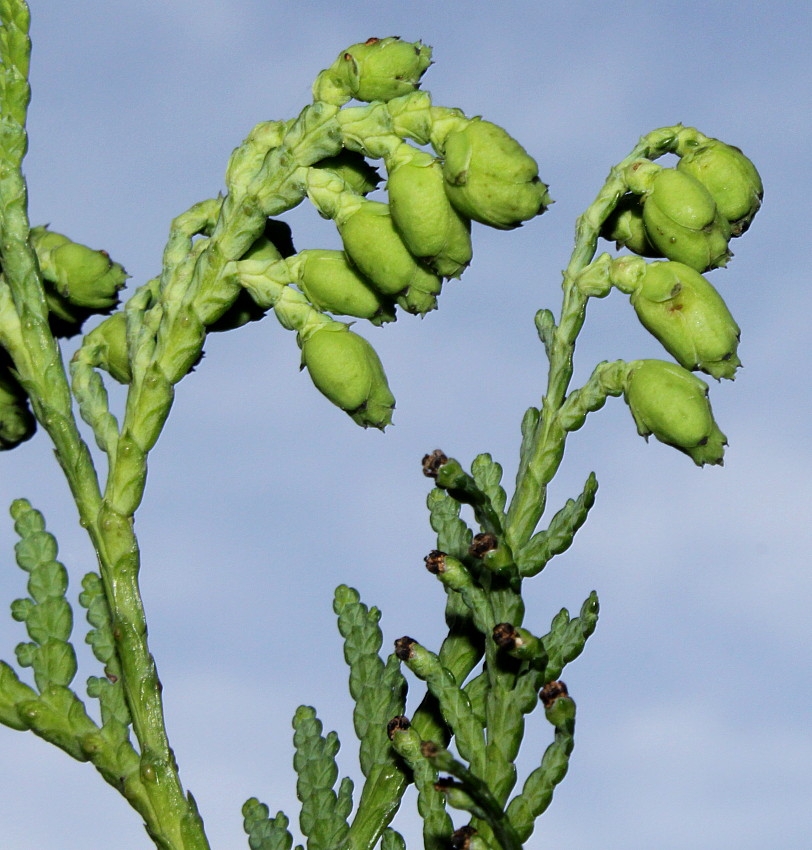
{"points": [[693, 695]]}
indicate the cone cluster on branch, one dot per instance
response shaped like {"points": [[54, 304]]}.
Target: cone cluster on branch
{"points": [[686, 216], [78, 282], [395, 253]]}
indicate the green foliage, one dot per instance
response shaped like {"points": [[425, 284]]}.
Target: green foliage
{"points": [[323, 818], [264, 832], [558, 536], [379, 689], [566, 638], [47, 614]]}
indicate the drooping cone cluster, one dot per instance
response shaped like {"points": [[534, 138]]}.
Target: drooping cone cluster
{"points": [[395, 253], [688, 213]]}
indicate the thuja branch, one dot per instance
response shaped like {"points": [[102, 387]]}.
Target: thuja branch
{"points": [[541, 460], [230, 260]]}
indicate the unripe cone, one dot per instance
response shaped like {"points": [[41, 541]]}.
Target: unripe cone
{"points": [[111, 339], [730, 177], [430, 226], [376, 69], [377, 250], [333, 285], [682, 221], [625, 227], [346, 369], [17, 423], [672, 404], [490, 177], [85, 277], [689, 317]]}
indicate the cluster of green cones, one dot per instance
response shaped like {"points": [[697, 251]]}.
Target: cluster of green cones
{"points": [[398, 253], [685, 217], [444, 171], [78, 282]]}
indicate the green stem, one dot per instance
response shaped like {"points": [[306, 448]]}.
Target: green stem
{"points": [[547, 447], [26, 335]]}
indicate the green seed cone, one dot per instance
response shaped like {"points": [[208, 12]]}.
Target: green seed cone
{"points": [[378, 252], [86, 278], [490, 177], [333, 285], [354, 170], [17, 423], [111, 338], [430, 226], [682, 221], [672, 404], [730, 177], [626, 229], [346, 369], [688, 316], [376, 69]]}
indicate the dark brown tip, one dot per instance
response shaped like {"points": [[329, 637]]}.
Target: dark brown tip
{"points": [[551, 692], [482, 544], [397, 724], [403, 647], [435, 561], [504, 636], [372, 40], [429, 749], [433, 462], [461, 838]]}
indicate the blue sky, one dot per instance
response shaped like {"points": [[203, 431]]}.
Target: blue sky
{"points": [[694, 693]]}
